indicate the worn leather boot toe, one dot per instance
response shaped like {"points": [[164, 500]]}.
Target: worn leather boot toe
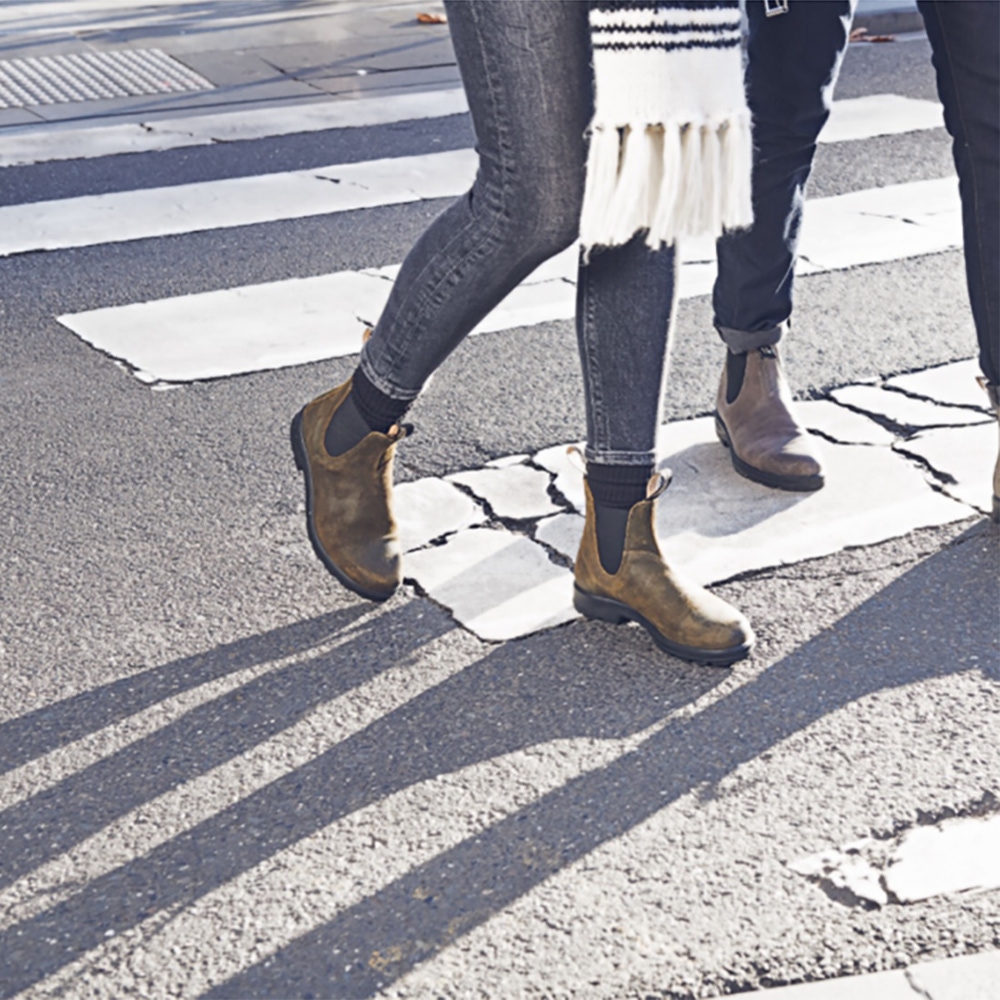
{"points": [[682, 618], [765, 441], [349, 500]]}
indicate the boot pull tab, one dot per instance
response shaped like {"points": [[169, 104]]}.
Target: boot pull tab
{"points": [[658, 483], [399, 431], [576, 459], [991, 390]]}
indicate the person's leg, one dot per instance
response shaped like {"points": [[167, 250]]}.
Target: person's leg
{"points": [[625, 298], [525, 65], [793, 62], [965, 42]]}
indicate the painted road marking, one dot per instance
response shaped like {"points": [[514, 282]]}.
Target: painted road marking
{"points": [[239, 201], [31, 144], [852, 119], [300, 320], [242, 201]]}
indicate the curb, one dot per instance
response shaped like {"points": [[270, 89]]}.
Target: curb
{"points": [[890, 22], [968, 977]]}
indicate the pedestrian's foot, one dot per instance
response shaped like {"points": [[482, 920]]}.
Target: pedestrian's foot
{"points": [[349, 499], [755, 421], [682, 618]]}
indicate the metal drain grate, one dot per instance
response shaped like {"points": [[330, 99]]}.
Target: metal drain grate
{"points": [[90, 76]]}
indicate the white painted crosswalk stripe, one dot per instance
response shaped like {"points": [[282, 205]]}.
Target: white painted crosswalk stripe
{"points": [[242, 201], [19, 146], [258, 327], [852, 119]]}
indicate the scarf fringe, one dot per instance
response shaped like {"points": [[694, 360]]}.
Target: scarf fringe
{"points": [[670, 181]]}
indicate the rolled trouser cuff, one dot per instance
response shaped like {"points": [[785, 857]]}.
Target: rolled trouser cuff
{"points": [[740, 342], [601, 456], [384, 385]]}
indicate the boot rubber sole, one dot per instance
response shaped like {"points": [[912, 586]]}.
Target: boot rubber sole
{"points": [[606, 609], [299, 451], [794, 484]]}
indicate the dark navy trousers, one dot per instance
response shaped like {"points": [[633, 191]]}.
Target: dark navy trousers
{"points": [[794, 60]]}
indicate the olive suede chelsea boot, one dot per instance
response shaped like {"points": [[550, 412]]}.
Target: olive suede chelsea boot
{"points": [[682, 618], [765, 441], [349, 500]]}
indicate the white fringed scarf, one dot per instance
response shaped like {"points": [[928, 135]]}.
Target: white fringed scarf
{"points": [[670, 142]]}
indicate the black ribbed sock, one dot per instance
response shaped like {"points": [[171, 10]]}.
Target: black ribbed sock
{"points": [[379, 410], [615, 489], [366, 409], [346, 428], [736, 366]]}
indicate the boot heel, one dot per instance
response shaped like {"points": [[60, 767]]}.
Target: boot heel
{"points": [[297, 444], [720, 430], [601, 608]]}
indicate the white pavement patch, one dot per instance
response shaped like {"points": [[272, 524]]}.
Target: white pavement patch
{"points": [[903, 410], [879, 114], [516, 491], [953, 384], [853, 119], [427, 509], [238, 201], [712, 523], [968, 977], [841, 424], [844, 869], [959, 855], [214, 334], [965, 455], [715, 524], [497, 584]]}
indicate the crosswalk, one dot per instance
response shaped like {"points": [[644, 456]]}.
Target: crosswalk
{"points": [[182, 808], [455, 528]]}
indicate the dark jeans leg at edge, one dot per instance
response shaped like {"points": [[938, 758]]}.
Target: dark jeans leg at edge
{"points": [[965, 42], [793, 63]]}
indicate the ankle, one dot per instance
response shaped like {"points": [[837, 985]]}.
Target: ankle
{"points": [[378, 410], [615, 489], [347, 427]]}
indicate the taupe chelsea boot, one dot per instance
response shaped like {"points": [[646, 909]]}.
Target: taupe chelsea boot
{"points": [[349, 500], [682, 618], [765, 441]]}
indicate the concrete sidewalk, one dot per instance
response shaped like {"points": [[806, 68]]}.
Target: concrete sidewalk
{"points": [[255, 53], [268, 53]]}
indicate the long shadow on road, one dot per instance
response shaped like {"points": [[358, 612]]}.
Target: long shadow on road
{"points": [[882, 644], [204, 737], [31, 736], [526, 693]]}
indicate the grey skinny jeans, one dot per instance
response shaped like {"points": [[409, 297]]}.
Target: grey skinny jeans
{"points": [[526, 69]]}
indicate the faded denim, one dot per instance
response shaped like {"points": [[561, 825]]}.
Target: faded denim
{"points": [[525, 65]]}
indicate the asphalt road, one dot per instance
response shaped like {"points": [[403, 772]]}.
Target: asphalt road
{"points": [[224, 775]]}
